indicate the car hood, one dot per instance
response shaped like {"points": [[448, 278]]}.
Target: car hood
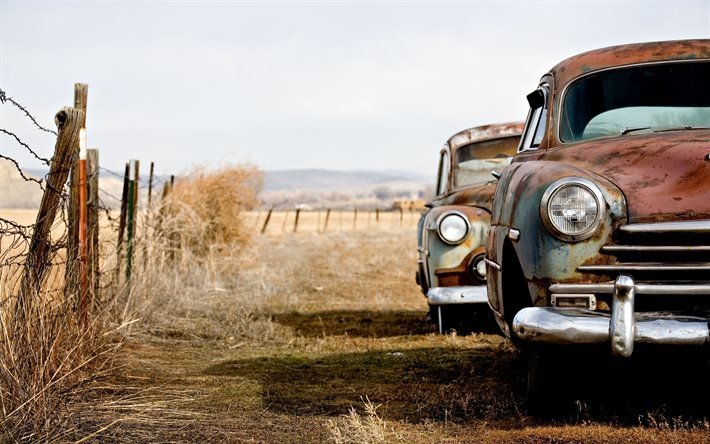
{"points": [[479, 195], [664, 175]]}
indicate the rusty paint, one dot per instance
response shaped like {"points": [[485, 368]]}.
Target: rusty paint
{"points": [[643, 178], [447, 265], [621, 55]]}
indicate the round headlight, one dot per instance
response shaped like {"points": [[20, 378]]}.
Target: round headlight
{"points": [[572, 208], [453, 227], [478, 267]]}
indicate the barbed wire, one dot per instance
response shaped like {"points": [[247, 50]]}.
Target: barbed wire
{"points": [[145, 182], [4, 98]]}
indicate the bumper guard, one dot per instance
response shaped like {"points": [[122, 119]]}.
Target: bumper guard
{"points": [[548, 325]]}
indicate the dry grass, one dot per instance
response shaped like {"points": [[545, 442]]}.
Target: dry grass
{"points": [[330, 328], [315, 337], [369, 428], [204, 209]]}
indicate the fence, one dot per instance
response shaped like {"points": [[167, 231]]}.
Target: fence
{"points": [[329, 220], [59, 254]]}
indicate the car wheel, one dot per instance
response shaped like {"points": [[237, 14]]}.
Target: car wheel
{"points": [[543, 394]]}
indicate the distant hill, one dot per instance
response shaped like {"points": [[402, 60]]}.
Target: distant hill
{"points": [[320, 179], [281, 188], [16, 192], [342, 189]]}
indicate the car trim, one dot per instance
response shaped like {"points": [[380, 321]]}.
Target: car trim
{"points": [[688, 226]]}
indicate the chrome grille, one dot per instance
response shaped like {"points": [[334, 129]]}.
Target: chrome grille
{"points": [[657, 252]]}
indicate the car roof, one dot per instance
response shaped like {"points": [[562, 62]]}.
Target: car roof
{"points": [[484, 132], [630, 54]]}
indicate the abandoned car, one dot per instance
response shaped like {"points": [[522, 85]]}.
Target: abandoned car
{"points": [[451, 234], [600, 230]]}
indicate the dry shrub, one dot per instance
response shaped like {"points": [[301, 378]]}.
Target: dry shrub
{"points": [[369, 428], [205, 208], [201, 276]]}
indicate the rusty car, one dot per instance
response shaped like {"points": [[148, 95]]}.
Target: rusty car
{"points": [[451, 233], [600, 230]]}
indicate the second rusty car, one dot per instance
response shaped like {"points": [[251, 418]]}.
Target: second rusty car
{"points": [[451, 234], [600, 234]]}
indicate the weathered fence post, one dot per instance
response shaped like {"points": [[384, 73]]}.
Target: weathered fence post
{"points": [[327, 218], [150, 184], [92, 171], [295, 221], [266, 221], [401, 216], [68, 121], [377, 215], [71, 275], [122, 217]]}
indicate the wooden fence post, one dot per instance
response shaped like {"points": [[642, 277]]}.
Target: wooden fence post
{"points": [[327, 218], [71, 275], [355, 219], [295, 221], [131, 216], [92, 171], [377, 215], [69, 122], [122, 217], [150, 184], [401, 216], [266, 221]]}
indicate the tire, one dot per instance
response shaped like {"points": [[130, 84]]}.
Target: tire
{"points": [[544, 397]]}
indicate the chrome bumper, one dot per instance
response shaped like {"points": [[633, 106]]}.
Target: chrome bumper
{"points": [[457, 295], [547, 325]]}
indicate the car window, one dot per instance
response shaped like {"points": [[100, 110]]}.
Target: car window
{"points": [[646, 97], [536, 122], [443, 175], [474, 162]]}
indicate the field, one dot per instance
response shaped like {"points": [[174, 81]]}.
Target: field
{"points": [[336, 322], [322, 337]]}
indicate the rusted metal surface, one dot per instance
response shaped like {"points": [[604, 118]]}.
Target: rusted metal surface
{"points": [[661, 174], [485, 132], [571, 68], [445, 265], [643, 178]]}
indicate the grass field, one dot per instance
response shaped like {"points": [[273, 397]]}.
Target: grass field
{"points": [[321, 337], [336, 322]]}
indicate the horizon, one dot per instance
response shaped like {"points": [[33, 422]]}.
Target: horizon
{"points": [[299, 85]]}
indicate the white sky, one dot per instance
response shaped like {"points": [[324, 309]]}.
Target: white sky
{"points": [[337, 85]]}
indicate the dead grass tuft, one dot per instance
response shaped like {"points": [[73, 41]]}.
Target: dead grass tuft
{"points": [[369, 428]]}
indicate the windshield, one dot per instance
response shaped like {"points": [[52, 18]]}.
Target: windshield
{"points": [[649, 97], [474, 162]]}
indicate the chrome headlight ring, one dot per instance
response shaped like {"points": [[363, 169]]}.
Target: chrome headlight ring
{"points": [[456, 230], [566, 208]]}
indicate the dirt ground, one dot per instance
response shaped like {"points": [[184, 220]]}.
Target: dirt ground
{"points": [[352, 333]]}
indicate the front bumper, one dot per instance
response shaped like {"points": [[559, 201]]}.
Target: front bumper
{"points": [[474, 294], [621, 329]]}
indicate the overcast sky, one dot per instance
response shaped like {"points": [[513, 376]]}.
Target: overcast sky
{"points": [[336, 85]]}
